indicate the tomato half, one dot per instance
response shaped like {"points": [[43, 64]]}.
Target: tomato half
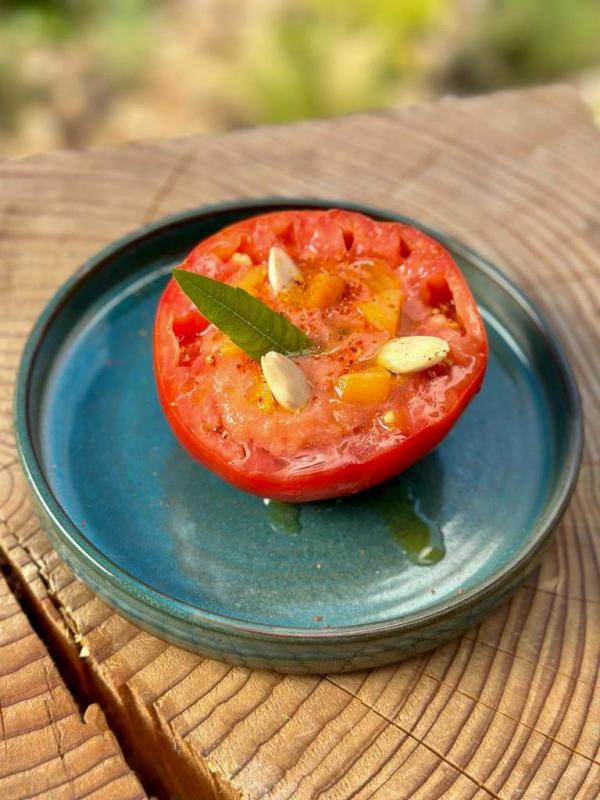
{"points": [[364, 282]]}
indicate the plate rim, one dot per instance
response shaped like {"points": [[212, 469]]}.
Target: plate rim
{"points": [[138, 591]]}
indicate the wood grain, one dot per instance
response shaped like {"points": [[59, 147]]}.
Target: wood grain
{"points": [[511, 709], [48, 750]]}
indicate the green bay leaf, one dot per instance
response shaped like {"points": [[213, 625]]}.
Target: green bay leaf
{"points": [[248, 322]]}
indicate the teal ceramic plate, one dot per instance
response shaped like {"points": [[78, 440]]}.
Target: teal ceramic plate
{"points": [[326, 586]]}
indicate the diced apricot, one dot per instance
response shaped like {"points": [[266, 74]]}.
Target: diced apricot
{"points": [[253, 279], [324, 290], [376, 274], [262, 396], [294, 295], [381, 277], [383, 312], [228, 348], [370, 386]]}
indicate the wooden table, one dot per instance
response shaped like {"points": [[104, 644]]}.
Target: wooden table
{"points": [[509, 710]]}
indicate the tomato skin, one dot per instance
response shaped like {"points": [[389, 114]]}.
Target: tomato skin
{"points": [[336, 476]]}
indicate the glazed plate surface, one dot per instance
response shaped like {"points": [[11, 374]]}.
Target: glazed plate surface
{"points": [[325, 586]]}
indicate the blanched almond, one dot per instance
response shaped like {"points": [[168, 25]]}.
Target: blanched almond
{"points": [[409, 354], [283, 271], [286, 381]]}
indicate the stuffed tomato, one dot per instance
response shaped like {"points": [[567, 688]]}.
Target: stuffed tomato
{"points": [[398, 350]]}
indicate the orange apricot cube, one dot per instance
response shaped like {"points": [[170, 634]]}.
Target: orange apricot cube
{"points": [[253, 279], [383, 312], [324, 290], [370, 386]]}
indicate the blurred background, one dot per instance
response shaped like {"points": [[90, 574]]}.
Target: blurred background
{"points": [[81, 72]]}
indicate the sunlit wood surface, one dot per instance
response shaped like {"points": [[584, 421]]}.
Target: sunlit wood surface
{"points": [[511, 709]]}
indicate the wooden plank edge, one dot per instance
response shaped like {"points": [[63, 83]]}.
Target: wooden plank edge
{"points": [[51, 746], [165, 764]]}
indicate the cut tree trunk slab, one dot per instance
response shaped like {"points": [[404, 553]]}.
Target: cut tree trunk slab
{"points": [[48, 749], [509, 710]]}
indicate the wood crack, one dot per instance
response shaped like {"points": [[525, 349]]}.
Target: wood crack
{"points": [[474, 700], [74, 678], [410, 735], [167, 185]]}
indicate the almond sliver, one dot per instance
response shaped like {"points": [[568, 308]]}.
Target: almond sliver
{"points": [[408, 354], [287, 382], [283, 271]]}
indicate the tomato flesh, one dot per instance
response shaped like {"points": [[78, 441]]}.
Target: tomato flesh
{"points": [[363, 283]]}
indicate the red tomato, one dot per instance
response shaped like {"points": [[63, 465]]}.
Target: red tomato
{"points": [[364, 283]]}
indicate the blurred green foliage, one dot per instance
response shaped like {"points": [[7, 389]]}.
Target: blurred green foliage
{"points": [[516, 42], [70, 68], [41, 40], [331, 57]]}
